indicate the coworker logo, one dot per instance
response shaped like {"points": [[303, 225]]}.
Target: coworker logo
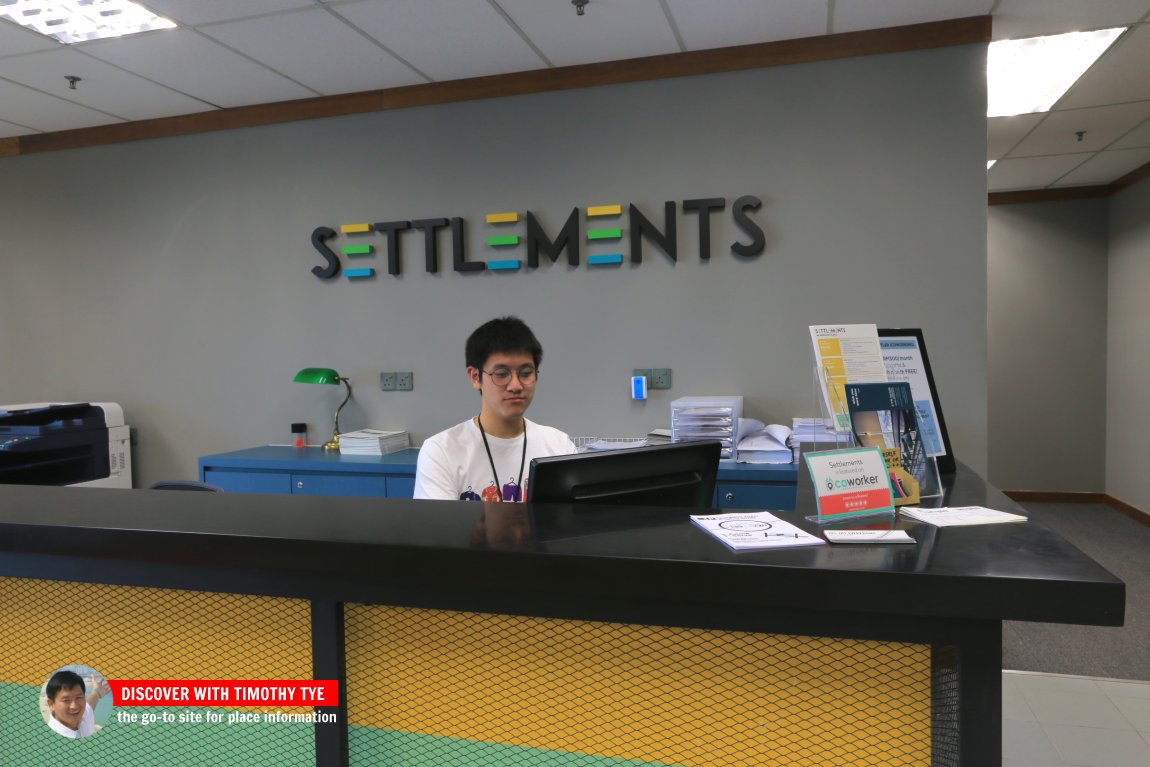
{"points": [[512, 232]]}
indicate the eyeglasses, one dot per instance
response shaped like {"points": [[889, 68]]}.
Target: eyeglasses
{"points": [[502, 376]]}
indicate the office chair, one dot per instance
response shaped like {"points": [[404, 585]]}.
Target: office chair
{"points": [[185, 484]]}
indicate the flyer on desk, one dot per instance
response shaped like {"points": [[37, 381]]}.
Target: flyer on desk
{"points": [[756, 530]]}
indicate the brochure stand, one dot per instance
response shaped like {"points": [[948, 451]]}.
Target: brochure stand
{"points": [[922, 468], [831, 437]]}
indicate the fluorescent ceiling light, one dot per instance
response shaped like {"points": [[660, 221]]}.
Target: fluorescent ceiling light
{"points": [[74, 21], [1026, 76]]}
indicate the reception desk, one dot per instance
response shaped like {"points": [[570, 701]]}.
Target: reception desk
{"points": [[505, 634]]}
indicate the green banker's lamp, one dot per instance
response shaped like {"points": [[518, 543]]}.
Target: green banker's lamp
{"points": [[327, 376]]}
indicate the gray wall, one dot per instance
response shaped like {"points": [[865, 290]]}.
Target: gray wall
{"points": [[173, 275], [1127, 406], [1047, 345]]}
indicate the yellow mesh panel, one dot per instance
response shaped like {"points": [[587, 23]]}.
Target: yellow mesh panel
{"points": [[688, 697], [128, 632]]}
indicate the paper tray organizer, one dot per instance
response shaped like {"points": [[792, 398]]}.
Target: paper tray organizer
{"points": [[702, 418]]}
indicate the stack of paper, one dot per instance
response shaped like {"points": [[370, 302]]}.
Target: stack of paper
{"points": [[373, 442], [659, 437], [763, 443], [810, 431], [955, 516], [757, 530]]}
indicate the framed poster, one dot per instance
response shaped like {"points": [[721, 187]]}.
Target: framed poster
{"points": [[905, 358]]}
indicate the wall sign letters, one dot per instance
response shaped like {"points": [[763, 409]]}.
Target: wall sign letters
{"points": [[511, 233]]}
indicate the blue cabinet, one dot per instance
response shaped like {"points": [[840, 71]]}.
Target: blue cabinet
{"points": [[311, 471], [761, 486]]}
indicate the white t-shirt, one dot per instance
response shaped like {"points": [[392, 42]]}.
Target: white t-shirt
{"points": [[87, 724], [453, 464]]}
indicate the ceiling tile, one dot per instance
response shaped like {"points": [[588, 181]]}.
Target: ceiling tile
{"points": [[1102, 125], [853, 15], [1105, 167], [195, 12], [14, 39], [8, 130], [1120, 75], [1015, 19], [1031, 172], [317, 49], [23, 106], [743, 22], [1002, 133], [201, 68], [608, 31], [102, 86], [1139, 137], [445, 39]]}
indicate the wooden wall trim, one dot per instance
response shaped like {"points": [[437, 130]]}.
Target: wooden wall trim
{"points": [[1070, 192], [968, 31], [1043, 496], [1047, 195], [1131, 178], [1135, 513]]}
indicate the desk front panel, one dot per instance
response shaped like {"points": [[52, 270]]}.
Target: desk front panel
{"points": [[464, 688], [127, 632]]}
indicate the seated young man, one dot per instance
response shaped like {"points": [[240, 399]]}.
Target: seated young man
{"points": [[71, 710], [486, 457]]}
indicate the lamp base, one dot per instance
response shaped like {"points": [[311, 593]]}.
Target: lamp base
{"points": [[331, 444]]}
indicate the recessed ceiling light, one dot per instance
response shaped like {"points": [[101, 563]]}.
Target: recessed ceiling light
{"points": [[75, 21], [1026, 76]]}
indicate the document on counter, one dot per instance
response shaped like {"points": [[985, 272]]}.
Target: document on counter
{"points": [[958, 516], [755, 531], [868, 536]]}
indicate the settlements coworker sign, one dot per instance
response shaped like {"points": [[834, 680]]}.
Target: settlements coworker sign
{"points": [[537, 240]]}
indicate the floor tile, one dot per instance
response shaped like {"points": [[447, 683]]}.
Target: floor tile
{"points": [[1025, 743], [1136, 711], [1015, 707], [1081, 709], [1123, 689], [1029, 683], [1092, 747]]}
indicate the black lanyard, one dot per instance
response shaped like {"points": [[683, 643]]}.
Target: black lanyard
{"points": [[522, 460]]}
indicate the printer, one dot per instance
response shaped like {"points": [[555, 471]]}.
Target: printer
{"points": [[72, 443]]}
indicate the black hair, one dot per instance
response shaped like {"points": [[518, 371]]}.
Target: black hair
{"points": [[505, 335], [64, 680]]}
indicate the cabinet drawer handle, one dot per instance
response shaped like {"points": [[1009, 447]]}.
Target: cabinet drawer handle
{"points": [[299, 485], [729, 496]]}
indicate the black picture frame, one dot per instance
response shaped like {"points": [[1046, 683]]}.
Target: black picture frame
{"points": [[946, 463]]}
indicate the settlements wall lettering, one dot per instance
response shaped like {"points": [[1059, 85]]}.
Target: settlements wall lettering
{"points": [[602, 229]]}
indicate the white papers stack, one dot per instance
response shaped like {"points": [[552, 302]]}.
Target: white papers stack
{"points": [[757, 530], [809, 431], [763, 443], [957, 516], [659, 437], [373, 442]]}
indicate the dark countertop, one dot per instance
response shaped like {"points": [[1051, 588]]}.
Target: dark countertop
{"points": [[358, 549]]}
